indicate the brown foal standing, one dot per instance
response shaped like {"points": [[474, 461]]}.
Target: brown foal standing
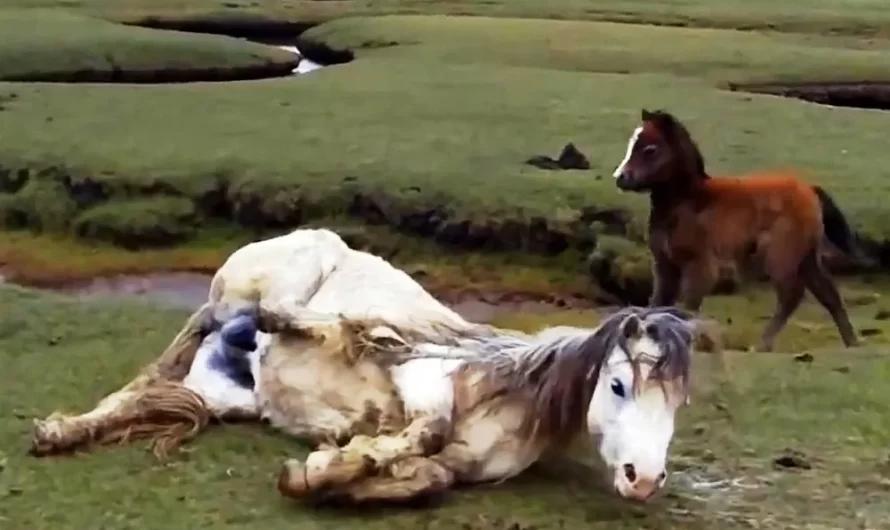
{"points": [[696, 223]]}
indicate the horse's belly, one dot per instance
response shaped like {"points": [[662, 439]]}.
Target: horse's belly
{"points": [[425, 386], [312, 394]]}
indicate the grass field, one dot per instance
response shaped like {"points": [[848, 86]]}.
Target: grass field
{"points": [[430, 126], [748, 409], [860, 17]]}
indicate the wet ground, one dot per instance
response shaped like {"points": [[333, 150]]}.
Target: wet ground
{"points": [[188, 290]]}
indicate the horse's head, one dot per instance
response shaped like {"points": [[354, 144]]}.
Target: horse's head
{"points": [[642, 383], [660, 152]]}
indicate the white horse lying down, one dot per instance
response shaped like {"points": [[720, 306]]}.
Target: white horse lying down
{"points": [[399, 395]]}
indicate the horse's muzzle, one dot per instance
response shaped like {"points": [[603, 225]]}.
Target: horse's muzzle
{"points": [[627, 182]]}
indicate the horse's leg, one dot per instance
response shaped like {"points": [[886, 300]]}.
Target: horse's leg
{"points": [[330, 467], [486, 446], [154, 404], [666, 277], [821, 284], [406, 479], [789, 294], [699, 278]]}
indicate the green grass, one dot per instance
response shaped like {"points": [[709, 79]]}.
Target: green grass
{"points": [[743, 317], [712, 55], [863, 17], [747, 409], [433, 123], [47, 45]]}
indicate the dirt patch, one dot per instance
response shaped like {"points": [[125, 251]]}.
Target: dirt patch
{"points": [[180, 290], [862, 95]]}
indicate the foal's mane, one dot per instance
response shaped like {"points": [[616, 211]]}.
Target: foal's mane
{"points": [[675, 132], [561, 375]]}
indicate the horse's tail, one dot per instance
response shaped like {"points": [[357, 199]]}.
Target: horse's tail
{"points": [[176, 361], [835, 225]]}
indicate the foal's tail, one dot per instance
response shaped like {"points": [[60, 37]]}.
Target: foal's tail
{"points": [[835, 225]]}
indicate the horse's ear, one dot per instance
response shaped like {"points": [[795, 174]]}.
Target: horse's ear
{"points": [[632, 327], [645, 115]]}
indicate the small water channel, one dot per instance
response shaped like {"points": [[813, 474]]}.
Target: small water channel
{"points": [[306, 65], [188, 290]]}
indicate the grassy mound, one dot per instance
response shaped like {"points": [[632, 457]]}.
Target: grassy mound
{"points": [[747, 410], [139, 222], [46, 45]]}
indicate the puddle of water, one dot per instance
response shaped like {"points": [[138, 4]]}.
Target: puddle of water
{"points": [[305, 65]]}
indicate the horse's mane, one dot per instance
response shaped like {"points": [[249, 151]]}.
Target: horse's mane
{"points": [[674, 129], [561, 373]]}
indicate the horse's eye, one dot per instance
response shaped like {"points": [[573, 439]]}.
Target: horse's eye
{"points": [[617, 388], [650, 149]]}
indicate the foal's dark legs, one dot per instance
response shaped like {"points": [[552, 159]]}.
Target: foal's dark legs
{"points": [[789, 294], [666, 282], [699, 278], [820, 283]]}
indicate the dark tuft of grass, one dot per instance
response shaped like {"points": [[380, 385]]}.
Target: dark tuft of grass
{"points": [[139, 223]]}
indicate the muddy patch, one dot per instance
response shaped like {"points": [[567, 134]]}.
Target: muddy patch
{"points": [[188, 290], [179, 290], [861, 95]]}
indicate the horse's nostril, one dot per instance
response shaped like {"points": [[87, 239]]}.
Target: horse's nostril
{"points": [[630, 472], [662, 477]]}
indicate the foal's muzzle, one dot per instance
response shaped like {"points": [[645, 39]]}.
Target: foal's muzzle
{"points": [[631, 182], [626, 182]]}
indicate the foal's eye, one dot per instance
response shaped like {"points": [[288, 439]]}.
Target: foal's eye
{"points": [[617, 388], [650, 149]]}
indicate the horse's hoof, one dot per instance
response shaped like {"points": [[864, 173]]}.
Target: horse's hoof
{"points": [[46, 438], [292, 479]]}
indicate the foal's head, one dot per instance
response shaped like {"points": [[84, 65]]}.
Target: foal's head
{"points": [[660, 153], [642, 383]]}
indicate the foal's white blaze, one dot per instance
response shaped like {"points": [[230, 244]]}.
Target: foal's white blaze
{"points": [[630, 148], [425, 385], [636, 429]]}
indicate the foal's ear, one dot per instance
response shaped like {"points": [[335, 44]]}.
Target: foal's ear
{"points": [[645, 115], [632, 327]]}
